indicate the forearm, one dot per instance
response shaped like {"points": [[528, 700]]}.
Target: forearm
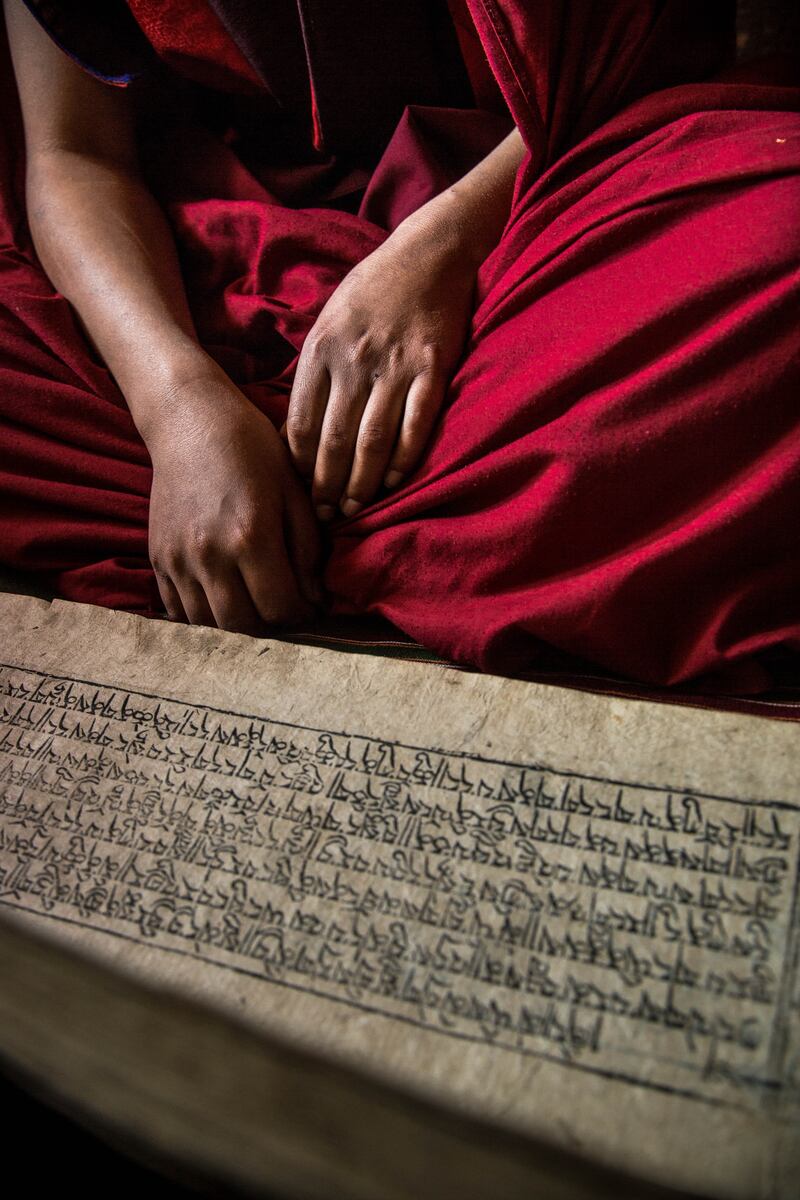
{"points": [[472, 213], [105, 244]]}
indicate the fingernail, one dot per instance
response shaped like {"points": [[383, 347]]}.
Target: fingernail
{"points": [[392, 479], [326, 512], [351, 507]]}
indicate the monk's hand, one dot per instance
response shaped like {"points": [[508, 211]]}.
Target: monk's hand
{"points": [[233, 539], [372, 374]]}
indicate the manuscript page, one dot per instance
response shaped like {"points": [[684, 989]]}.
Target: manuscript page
{"points": [[573, 915]]}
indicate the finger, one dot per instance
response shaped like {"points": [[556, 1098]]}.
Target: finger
{"points": [[231, 604], [423, 402], [194, 601], [346, 404], [307, 404], [272, 587], [375, 443], [170, 598], [302, 541]]}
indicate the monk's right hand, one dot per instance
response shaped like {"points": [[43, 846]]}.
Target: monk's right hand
{"points": [[233, 539]]}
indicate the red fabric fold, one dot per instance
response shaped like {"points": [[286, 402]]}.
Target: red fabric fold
{"points": [[191, 39]]}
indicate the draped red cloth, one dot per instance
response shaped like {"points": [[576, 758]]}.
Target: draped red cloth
{"points": [[616, 472], [192, 40]]}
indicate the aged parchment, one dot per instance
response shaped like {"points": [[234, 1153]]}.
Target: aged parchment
{"points": [[574, 915]]}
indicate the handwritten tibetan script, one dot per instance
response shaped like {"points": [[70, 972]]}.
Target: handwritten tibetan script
{"points": [[553, 913]]}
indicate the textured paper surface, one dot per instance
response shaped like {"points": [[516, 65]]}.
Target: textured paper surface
{"points": [[575, 915]]}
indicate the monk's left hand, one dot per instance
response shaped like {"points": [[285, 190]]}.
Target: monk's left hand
{"points": [[373, 371]]}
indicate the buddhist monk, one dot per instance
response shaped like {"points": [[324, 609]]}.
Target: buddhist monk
{"points": [[480, 316]]}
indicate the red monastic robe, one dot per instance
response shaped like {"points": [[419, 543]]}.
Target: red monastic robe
{"points": [[615, 476]]}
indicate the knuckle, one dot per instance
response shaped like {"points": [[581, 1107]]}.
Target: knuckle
{"points": [[394, 356], [300, 416], [167, 564], [243, 534], [157, 550], [430, 357], [301, 432], [317, 345], [203, 543], [374, 438], [359, 351], [337, 436], [414, 423]]}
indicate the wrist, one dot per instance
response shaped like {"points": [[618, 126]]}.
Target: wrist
{"points": [[450, 224], [470, 215], [163, 388]]}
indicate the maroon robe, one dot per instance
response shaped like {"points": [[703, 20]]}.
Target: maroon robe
{"points": [[615, 475]]}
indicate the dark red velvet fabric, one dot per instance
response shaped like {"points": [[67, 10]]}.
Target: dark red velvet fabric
{"points": [[191, 39], [616, 472]]}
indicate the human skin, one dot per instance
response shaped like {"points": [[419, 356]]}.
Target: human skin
{"points": [[373, 371], [236, 544]]}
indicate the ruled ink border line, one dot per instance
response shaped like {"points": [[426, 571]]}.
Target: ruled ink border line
{"points": [[369, 737], [617, 1076], [792, 936], [780, 1032]]}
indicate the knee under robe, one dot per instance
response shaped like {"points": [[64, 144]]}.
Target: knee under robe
{"points": [[615, 475]]}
